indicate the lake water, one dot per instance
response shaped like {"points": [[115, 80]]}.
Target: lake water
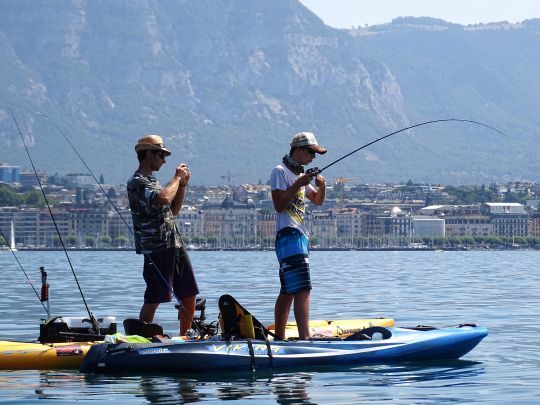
{"points": [[499, 290]]}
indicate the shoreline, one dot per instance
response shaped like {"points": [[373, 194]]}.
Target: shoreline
{"points": [[331, 249]]}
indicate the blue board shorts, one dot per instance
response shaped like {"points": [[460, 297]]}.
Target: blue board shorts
{"points": [[173, 273], [293, 256]]}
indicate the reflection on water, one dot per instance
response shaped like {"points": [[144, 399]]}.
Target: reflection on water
{"points": [[170, 390], [498, 290], [404, 374], [293, 387]]}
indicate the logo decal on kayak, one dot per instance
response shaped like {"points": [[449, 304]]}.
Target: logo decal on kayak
{"points": [[153, 350], [69, 351], [243, 347]]}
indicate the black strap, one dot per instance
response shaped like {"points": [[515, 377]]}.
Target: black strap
{"points": [[251, 354], [269, 352], [367, 333]]}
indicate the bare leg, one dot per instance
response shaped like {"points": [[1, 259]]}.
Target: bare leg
{"points": [[281, 313], [301, 313], [186, 314], [147, 312]]}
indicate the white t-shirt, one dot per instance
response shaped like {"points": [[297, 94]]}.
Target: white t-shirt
{"points": [[294, 216]]}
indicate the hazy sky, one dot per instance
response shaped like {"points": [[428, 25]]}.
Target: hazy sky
{"points": [[347, 13]]}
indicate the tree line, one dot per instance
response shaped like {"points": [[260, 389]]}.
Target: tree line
{"points": [[9, 197]]}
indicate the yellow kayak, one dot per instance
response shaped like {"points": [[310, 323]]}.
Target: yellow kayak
{"points": [[336, 328], [38, 356]]}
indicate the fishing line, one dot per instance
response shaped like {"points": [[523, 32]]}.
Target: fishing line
{"points": [[93, 320], [22, 268], [405, 129], [87, 168], [136, 239]]}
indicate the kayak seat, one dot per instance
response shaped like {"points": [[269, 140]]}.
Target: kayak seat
{"points": [[200, 305], [133, 326], [367, 333], [237, 322]]}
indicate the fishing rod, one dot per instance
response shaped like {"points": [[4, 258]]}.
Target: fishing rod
{"points": [[22, 268], [93, 320], [317, 170], [136, 239]]}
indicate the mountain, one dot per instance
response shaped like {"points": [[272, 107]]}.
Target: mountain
{"points": [[228, 82]]}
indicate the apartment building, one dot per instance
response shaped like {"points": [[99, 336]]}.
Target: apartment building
{"points": [[508, 219], [534, 225], [230, 223], [34, 226], [190, 222], [498, 219], [431, 227], [322, 226]]}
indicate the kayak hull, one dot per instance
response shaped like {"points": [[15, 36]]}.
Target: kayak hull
{"points": [[38, 356], [205, 356]]}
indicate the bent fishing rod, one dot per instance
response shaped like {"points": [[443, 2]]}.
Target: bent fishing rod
{"points": [[317, 170], [93, 320], [137, 241]]}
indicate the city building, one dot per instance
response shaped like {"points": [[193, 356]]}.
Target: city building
{"points": [[29, 179], [34, 226], [322, 228], [231, 224], [9, 174], [190, 222], [508, 219], [431, 227], [348, 224], [534, 225]]}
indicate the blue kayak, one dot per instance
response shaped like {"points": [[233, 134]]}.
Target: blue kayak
{"points": [[376, 345]]}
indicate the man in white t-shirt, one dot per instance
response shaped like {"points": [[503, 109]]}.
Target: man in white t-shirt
{"points": [[290, 185]]}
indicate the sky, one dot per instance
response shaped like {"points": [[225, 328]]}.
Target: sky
{"points": [[348, 13]]}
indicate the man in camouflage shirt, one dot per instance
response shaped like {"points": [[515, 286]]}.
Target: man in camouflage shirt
{"points": [[167, 267]]}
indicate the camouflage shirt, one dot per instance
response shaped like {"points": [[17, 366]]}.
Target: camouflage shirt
{"points": [[154, 226]]}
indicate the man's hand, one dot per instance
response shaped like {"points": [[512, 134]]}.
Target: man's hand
{"points": [[320, 181], [304, 179], [182, 171]]}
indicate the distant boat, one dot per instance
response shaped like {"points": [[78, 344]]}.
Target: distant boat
{"points": [[12, 238]]}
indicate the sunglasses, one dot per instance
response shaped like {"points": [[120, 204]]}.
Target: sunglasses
{"points": [[160, 154], [310, 151]]}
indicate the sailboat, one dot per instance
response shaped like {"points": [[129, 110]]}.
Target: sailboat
{"points": [[12, 238]]}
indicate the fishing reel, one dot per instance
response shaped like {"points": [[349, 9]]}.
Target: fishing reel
{"points": [[199, 327], [313, 171]]}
